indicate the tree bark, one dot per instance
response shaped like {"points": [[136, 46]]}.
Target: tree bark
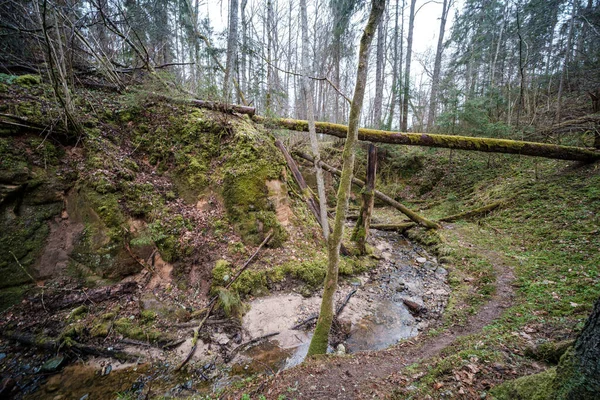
{"points": [[472, 213], [231, 47], [489, 145], [406, 91], [379, 77], [400, 228], [361, 230], [437, 66], [381, 196], [396, 85], [565, 65], [578, 374], [307, 90], [320, 339]]}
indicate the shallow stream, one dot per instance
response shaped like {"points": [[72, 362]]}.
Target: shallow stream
{"points": [[376, 316], [401, 297]]}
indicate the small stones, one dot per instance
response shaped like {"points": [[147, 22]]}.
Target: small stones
{"points": [[53, 364], [421, 260], [341, 349]]}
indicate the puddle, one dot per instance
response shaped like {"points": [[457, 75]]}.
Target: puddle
{"points": [[387, 325], [376, 317]]}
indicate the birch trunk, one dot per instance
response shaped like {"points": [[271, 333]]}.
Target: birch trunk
{"points": [[406, 91], [379, 77], [231, 47], [307, 90], [437, 67]]}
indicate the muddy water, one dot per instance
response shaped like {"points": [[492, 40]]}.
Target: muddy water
{"points": [[376, 315]]}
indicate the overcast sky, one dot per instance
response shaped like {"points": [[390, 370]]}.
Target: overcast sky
{"points": [[427, 23]]}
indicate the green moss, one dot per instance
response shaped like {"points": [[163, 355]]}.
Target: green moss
{"points": [[11, 296], [134, 330], [532, 387], [251, 282], [311, 272], [141, 198], [72, 331], [101, 329], [571, 382], [30, 109], [549, 352], [78, 313], [28, 80], [23, 237], [147, 316], [221, 274]]}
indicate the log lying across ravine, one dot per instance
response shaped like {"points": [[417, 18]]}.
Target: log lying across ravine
{"points": [[381, 196], [489, 145]]}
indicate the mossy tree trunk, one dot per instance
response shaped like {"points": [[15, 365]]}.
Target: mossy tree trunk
{"points": [[489, 145], [318, 344], [578, 374], [361, 231]]}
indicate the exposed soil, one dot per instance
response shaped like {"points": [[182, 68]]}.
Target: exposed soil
{"points": [[371, 374]]}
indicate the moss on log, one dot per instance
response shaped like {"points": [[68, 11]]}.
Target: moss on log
{"points": [[472, 213], [489, 145], [400, 228]]}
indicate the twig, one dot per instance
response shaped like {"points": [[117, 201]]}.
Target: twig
{"points": [[247, 263], [306, 321], [343, 305], [315, 78], [23, 268], [253, 341], [195, 339], [338, 312]]}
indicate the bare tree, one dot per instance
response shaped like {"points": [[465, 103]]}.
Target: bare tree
{"points": [[406, 88], [437, 65], [307, 89], [379, 76], [232, 38]]}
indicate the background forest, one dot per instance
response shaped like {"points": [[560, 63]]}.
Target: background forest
{"points": [[500, 68]]}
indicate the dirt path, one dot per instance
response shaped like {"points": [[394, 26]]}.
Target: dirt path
{"points": [[364, 374]]}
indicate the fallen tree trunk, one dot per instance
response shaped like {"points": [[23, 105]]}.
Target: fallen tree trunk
{"points": [[52, 345], [489, 145], [400, 228], [381, 196], [472, 213], [60, 300], [210, 105]]}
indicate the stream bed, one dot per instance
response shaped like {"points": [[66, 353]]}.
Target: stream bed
{"points": [[401, 297]]}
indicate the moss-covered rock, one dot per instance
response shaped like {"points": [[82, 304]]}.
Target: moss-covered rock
{"points": [[549, 352], [532, 387]]}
